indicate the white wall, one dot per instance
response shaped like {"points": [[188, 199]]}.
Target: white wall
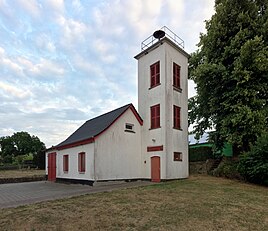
{"points": [[118, 153], [177, 140], [164, 94], [73, 172], [147, 98]]}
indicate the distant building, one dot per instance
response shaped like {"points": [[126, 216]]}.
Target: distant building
{"points": [[125, 144]]}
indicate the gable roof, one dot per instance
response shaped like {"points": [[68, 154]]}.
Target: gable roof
{"points": [[92, 128]]}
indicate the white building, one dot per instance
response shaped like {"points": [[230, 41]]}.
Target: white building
{"points": [[125, 144]]}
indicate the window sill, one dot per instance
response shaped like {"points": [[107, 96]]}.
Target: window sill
{"points": [[177, 129], [81, 172], [130, 131], [65, 172], [177, 160], [178, 89], [154, 86], [154, 128]]}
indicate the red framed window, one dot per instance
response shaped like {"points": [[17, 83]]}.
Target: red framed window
{"points": [[82, 162], [155, 116], [176, 75], [177, 117], [177, 156], [155, 74], [65, 163]]}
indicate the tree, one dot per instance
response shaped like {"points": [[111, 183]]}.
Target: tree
{"points": [[230, 69], [7, 149], [19, 144]]}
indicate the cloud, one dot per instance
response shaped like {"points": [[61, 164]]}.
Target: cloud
{"points": [[10, 90], [56, 5], [63, 62], [9, 64], [31, 6], [73, 32]]}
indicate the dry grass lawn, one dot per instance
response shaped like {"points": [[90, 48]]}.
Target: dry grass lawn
{"points": [[199, 203], [21, 173]]}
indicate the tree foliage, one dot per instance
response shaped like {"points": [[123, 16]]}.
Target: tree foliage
{"points": [[231, 72], [253, 165], [20, 144]]}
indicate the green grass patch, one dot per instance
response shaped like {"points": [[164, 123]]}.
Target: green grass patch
{"points": [[198, 203]]}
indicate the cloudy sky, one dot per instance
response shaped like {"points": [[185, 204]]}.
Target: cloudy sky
{"points": [[64, 62]]}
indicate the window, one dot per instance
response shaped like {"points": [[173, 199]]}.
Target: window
{"points": [[81, 162], [65, 163], [176, 75], [155, 116], [177, 156], [177, 117], [129, 128], [155, 74]]}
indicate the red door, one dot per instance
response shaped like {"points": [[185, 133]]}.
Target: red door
{"points": [[51, 166], [155, 169]]}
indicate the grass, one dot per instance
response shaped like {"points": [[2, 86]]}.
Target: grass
{"points": [[21, 173], [198, 203]]}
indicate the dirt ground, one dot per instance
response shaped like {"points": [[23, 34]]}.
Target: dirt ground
{"points": [[21, 173]]}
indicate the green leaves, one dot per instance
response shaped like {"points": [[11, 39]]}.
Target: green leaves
{"points": [[19, 144], [231, 73], [253, 165]]}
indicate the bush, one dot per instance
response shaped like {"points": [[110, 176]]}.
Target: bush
{"points": [[39, 159], [253, 165], [200, 154], [228, 169]]}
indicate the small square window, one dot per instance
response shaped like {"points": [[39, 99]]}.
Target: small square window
{"points": [[129, 128], [177, 156]]}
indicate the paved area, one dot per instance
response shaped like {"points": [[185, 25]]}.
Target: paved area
{"points": [[13, 195]]}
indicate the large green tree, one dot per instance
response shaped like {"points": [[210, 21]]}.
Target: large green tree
{"points": [[20, 143], [230, 69]]}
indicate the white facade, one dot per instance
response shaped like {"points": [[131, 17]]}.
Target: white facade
{"points": [[73, 172], [118, 152], [166, 95], [115, 154]]}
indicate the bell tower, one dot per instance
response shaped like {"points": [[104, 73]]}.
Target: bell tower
{"points": [[163, 105]]}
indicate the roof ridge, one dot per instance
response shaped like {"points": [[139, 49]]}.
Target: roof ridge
{"points": [[95, 126], [108, 112]]}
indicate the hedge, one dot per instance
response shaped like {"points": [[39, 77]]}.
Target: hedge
{"points": [[200, 154]]}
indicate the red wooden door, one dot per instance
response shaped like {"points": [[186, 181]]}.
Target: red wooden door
{"points": [[155, 169], [51, 166]]}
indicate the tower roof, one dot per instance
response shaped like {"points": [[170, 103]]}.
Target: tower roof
{"points": [[159, 43]]}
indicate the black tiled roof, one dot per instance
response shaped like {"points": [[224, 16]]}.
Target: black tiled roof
{"points": [[95, 126]]}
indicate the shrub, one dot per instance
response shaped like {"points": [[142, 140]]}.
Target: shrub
{"points": [[39, 159], [253, 165], [228, 169], [200, 154]]}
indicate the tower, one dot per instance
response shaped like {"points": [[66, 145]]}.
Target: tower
{"points": [[163, 105]]}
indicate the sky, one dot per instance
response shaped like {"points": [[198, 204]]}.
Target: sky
{"points": [[65, 62]]}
